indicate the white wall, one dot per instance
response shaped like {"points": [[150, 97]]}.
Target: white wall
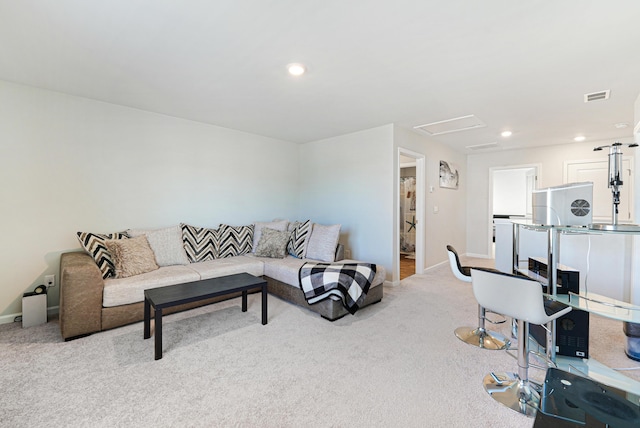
{"points": [[349, 180], [447, 226], [360, 171], [70, 164]]}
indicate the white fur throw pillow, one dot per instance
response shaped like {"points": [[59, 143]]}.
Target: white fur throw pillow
{"points": [[131, 256]]}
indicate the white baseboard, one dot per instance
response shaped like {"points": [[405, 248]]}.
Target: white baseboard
{"points": [[8, 319], [436, 265], [478, 256]]}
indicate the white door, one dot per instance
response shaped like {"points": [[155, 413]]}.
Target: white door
{"points": [[598, 173]]}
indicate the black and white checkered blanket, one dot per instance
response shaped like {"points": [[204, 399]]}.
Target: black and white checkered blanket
{"points": [[349, 281]]}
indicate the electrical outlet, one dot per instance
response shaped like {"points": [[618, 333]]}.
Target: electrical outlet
{"points": [[347, 254], [50, 280]]}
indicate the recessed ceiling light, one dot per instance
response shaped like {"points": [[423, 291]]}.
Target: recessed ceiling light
{"points": [[506, 133], [296, 69], [621, 125], [580, 138]]}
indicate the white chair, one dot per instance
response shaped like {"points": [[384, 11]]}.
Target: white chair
{"points": [[477, 336], [520, 298]]}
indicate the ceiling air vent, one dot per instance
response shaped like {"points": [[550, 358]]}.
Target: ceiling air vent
{"points": [[482, 146], [457, 124], [594, 96]]}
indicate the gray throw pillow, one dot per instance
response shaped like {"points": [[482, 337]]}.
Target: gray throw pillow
{"points": [[323, 242], [166, 244], [260, 225], [273, 243]]}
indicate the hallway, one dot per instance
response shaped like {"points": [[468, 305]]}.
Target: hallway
{"points": [[407, 266]]}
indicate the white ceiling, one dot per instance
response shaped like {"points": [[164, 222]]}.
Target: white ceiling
{"points": [[516, 65]]}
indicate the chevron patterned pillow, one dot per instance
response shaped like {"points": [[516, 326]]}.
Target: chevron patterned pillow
{"points": [[200, 243], [93, 243], [234, 241], [297, 245]]}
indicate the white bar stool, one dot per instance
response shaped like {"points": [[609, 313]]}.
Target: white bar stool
{"points": [[477, 336], [520, 298]]}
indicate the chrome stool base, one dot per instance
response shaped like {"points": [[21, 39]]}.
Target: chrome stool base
{"points": [[483, 338], [510, 390]]}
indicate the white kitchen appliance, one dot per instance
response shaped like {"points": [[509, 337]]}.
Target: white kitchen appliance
{"points": [[565, 205]]}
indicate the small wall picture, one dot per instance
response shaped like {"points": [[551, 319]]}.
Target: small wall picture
{"points": [[449, 175]]}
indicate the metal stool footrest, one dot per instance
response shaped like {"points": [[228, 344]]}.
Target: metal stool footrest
{"points": [[500, 321], [508, 389], [483, 338]]}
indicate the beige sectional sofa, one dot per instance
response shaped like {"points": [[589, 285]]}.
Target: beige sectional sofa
{"points": [[89, 302]]}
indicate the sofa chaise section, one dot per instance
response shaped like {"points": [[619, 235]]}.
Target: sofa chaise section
{"points": [[282, 274]]}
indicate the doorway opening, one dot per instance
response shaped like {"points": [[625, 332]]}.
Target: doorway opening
{"points": [[407, 220], [511, 195], [410, 214]]}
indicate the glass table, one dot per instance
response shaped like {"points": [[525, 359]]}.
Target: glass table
{"points": [[601, 305], [610, 308], [593, 303], [573, 400]]}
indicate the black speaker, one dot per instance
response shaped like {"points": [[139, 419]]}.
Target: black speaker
{"points": [[568, 278], [572, 334]]}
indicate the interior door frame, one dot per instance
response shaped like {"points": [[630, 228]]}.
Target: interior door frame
{"points": [[420, 213]]}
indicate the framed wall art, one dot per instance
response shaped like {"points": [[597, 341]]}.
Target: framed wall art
{"points": [[449, 175]]}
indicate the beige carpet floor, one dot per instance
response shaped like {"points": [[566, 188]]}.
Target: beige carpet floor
{"points": [[394, 364]]}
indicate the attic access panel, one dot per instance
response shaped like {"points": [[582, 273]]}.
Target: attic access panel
{"points": [[457, 124]]}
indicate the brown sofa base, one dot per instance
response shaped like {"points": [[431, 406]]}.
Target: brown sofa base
{"points": [[328, 309], [128, 314], [119, 316]]}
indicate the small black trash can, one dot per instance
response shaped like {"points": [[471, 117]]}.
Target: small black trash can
{"points": [[632, 347]]}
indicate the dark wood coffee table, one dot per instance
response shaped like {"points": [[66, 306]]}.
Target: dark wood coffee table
{"points": [[173, 295]]}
